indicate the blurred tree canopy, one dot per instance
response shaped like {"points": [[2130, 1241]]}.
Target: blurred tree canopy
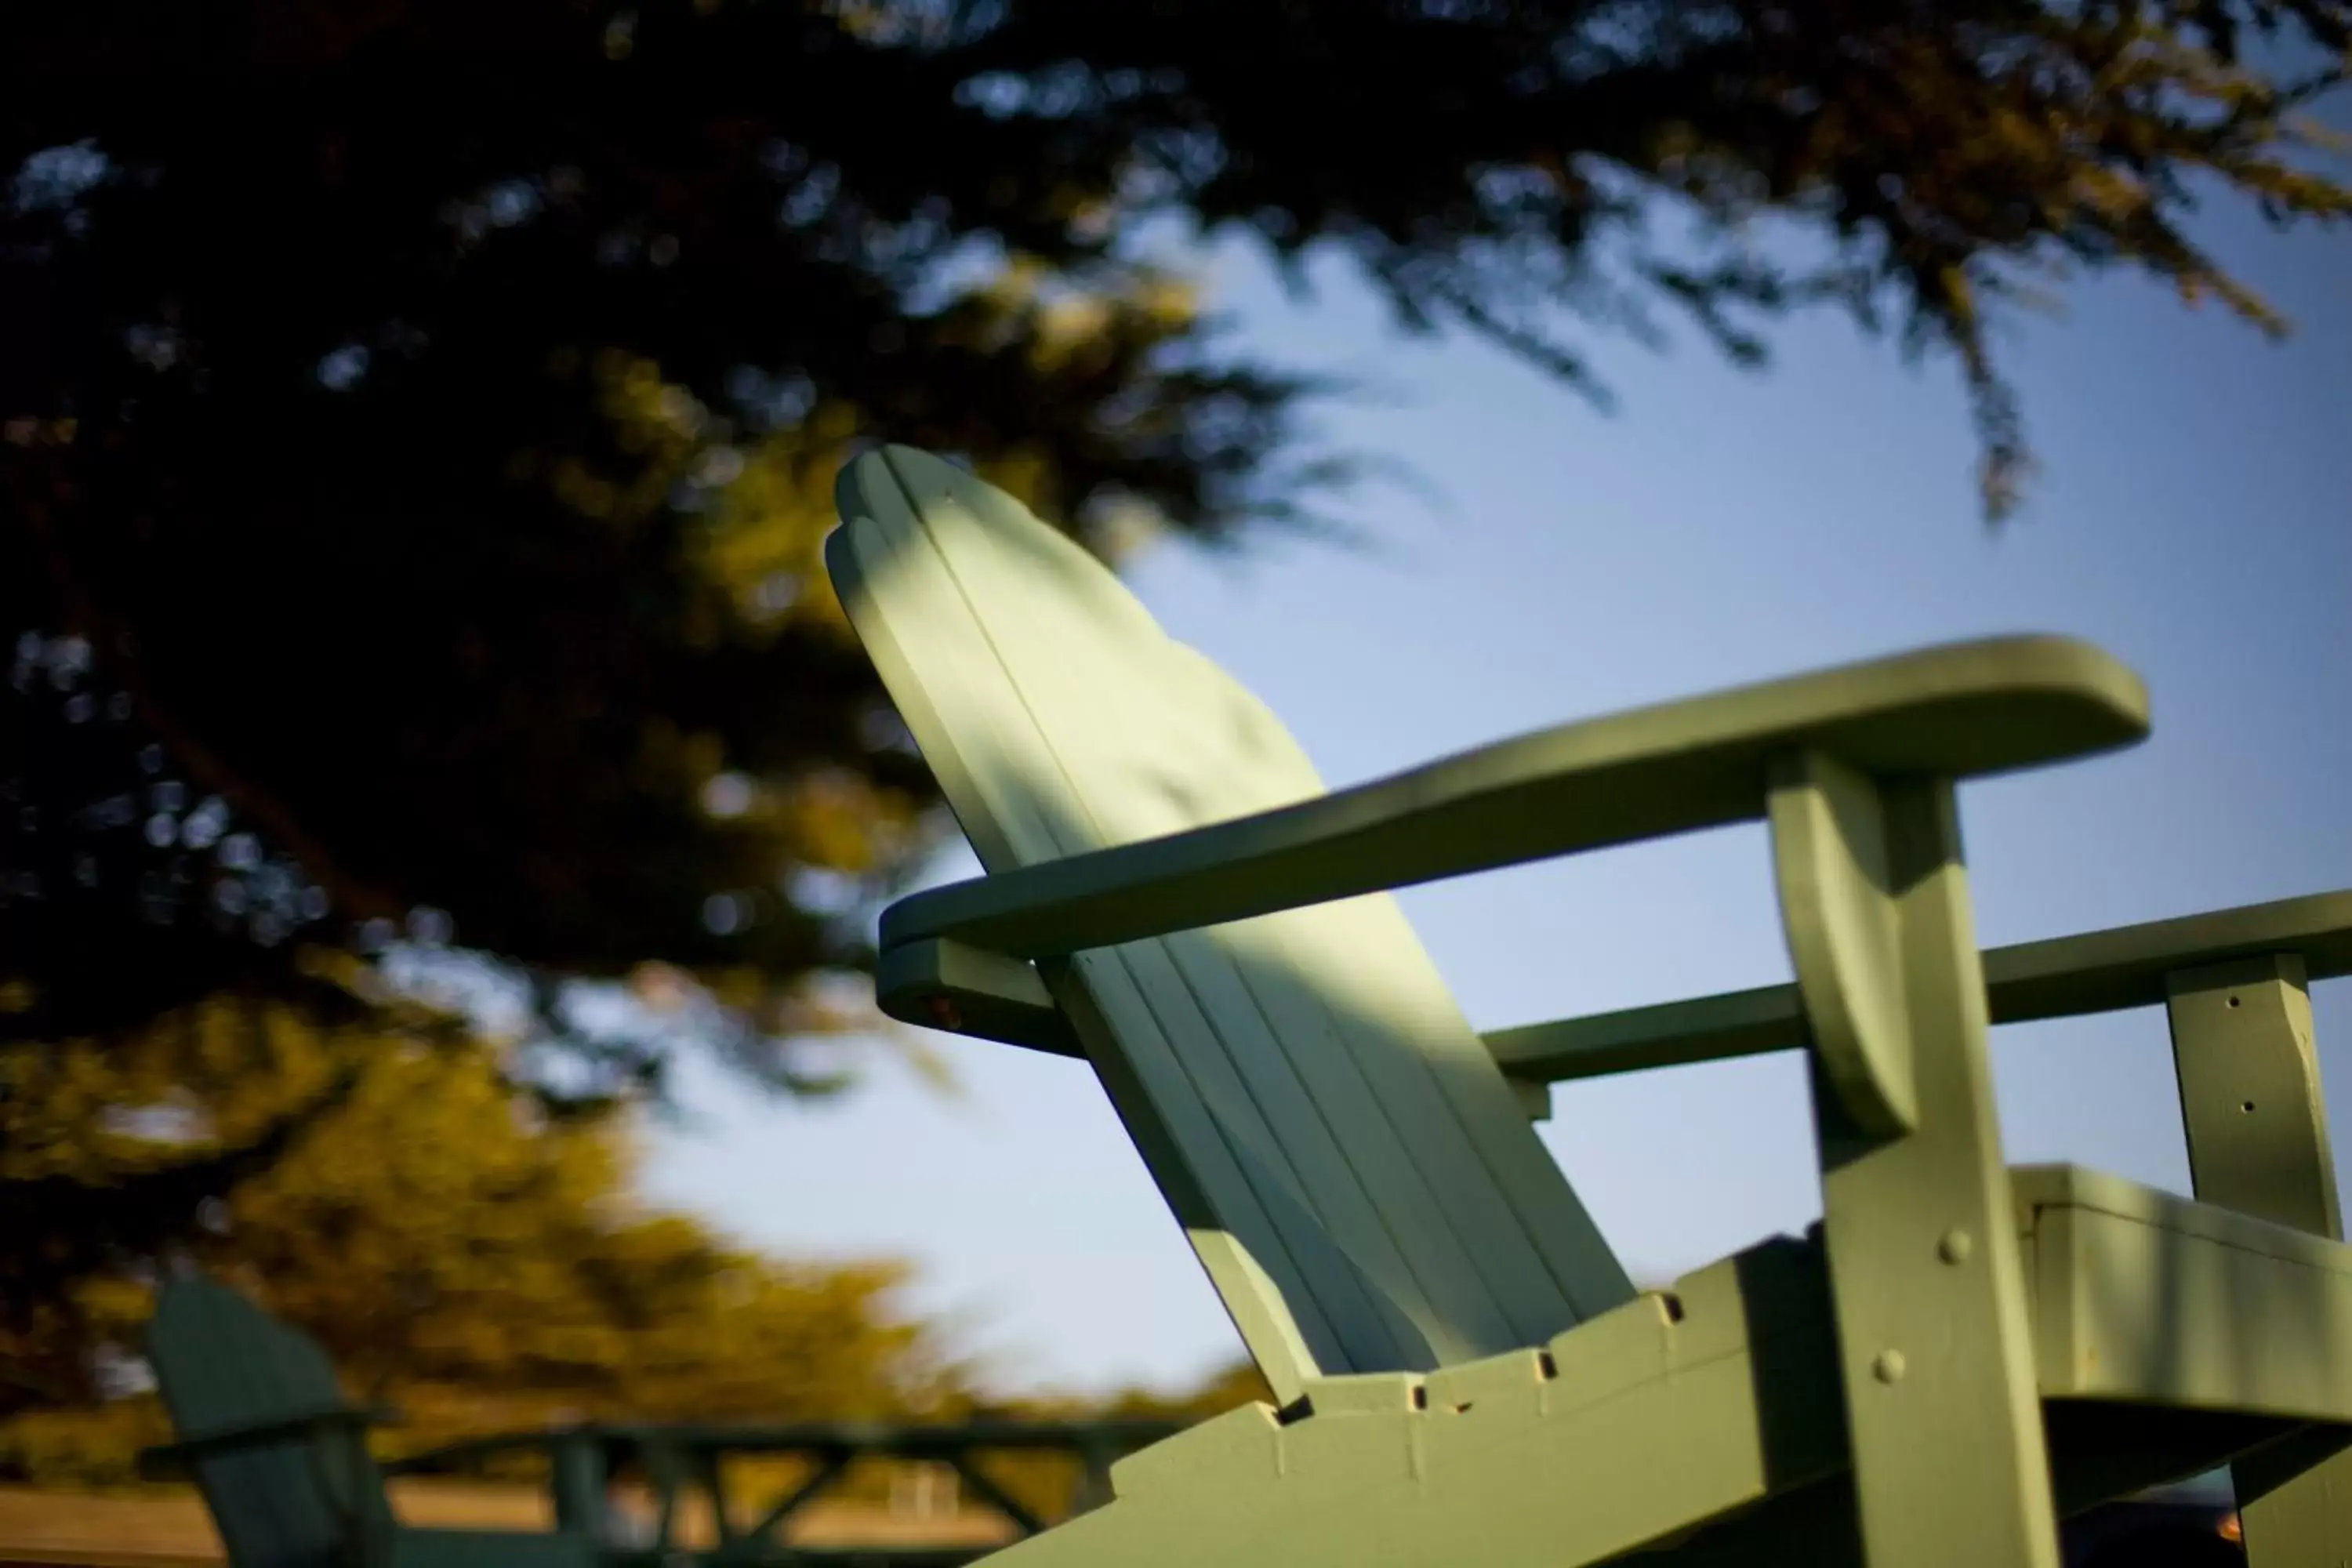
{"points": [[419, 417], [462, 1258], [417, 420], [476, 1267]]}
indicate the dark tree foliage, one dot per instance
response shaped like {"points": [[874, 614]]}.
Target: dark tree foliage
{"points": [[418, 414], [480, 1270], [1491, 163]]}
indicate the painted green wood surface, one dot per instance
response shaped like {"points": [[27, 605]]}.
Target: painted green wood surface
{"points": [[2140, 1295], [1344, 1152], [1934, 1338], [1661, 1413], [2099, 972], [1830, 855], [2294, 1501], [2250, 1096], [1357, 1176], [2257, 1124], [293, 1501], [281, 1457], [1696, 1405], [1957, 711]]}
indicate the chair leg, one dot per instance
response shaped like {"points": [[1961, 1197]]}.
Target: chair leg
{"points": [[1950, 1463], [576, 1483], [2294, 1503], [2257, 1124]]}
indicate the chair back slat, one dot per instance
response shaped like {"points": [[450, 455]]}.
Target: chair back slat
{"points": [[223, 1363], [1355, 1172]]}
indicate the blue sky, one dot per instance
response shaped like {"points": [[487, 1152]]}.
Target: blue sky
{"points": [[2193, 516]]}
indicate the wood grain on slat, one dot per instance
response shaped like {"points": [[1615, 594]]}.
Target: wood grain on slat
{"points": [[1301, 1083]]}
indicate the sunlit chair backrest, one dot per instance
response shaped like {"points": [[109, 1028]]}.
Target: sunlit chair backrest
{"points": [[1355, 1173]]}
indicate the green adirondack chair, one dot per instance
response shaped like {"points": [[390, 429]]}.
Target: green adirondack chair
{"points": [[1956, 1357], [281, 1457]]}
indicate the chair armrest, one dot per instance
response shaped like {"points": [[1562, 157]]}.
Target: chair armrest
{"points": [[170, 1457], [1957, 711], [2098, 972]]}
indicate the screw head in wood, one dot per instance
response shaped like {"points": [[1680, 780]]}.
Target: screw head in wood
{"points": [[1887, 1366], [1955, 1246]]}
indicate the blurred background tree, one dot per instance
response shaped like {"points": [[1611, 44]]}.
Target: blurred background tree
{"points": [[462, 1258], [417, 421], [465, 1260]]}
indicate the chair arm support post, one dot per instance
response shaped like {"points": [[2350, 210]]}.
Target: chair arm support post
{"points": [[1831, 860], [1937, 1354], [2251, 1102]]}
